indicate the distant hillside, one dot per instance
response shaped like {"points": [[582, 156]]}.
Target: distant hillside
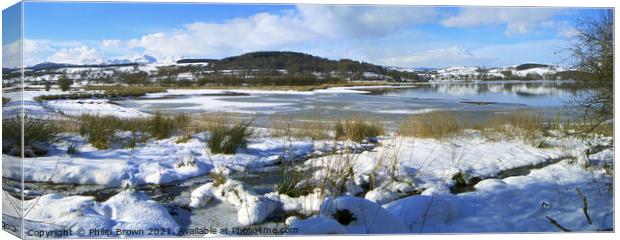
{"points": [[293, 62], [527, 66], [51, 65], [301, 63], [270, 68], [527, 71]]}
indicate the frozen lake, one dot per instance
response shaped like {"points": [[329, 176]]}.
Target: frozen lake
{"points": [[471, 99]]}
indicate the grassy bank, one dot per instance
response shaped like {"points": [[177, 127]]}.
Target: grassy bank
{"points": [[523, 125]]}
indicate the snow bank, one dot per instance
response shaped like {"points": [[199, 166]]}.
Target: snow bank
{"points": [[307, 204], [361, 216], [261, 152], [523, 203], [124, 211], [513, 204], [422, 212], [253, 209], [389, 191], [31, 109], [94, 107], [60, 108], [154, 162], [318, 225], [128, 209], [476, 157]]}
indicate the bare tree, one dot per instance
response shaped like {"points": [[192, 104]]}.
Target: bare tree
{"points": [[592, 53]]}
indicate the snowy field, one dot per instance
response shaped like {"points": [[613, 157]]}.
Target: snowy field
{"points": [[464, 184]]}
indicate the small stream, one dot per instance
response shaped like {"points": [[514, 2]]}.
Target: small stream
{"points": [[471, 182], [175, 196]]}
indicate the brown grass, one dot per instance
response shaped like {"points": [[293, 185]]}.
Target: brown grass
{"points": [[356, 129], [315, 128], [519, 124], [516, 125], [431, 125]]}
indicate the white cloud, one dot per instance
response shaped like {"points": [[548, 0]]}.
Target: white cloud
{"points": [[441, 57], [77, 55], [267, 31], [562, 28], [517, 20], [262, 31], [362, 21], [11, 54], [497, 55], [33, 51], [111, 43]]}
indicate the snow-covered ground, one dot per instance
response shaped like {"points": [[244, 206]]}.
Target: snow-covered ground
{"points": [[59, 108], [126, 211], [99, 107], [154, 162], [397, 185], [512, 204]]}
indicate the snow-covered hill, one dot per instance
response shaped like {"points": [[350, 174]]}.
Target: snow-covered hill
{"points": [[523, 71], [109, 70]]}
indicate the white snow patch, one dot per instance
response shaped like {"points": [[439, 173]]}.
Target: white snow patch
{"points": [[367, 217], [125, 210], [101, 107], [420, 210], [253, 209]]}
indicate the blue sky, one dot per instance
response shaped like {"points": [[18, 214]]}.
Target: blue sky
{"points": [[388, 35]]}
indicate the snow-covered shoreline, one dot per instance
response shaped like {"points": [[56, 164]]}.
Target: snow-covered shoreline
{"points": [[405, 182], [429, 164]]}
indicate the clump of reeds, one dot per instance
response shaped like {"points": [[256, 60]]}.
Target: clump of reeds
{"points": [[357, 130], [98, 130], [36, 134], [228, 137]]}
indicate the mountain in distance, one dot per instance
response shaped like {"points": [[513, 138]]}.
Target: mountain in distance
{"points": [[143, 59]]}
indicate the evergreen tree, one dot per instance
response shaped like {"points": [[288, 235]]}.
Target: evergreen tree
{"points": [[64, 83]]}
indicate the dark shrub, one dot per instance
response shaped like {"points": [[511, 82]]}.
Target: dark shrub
{"points": [[227, 138]]}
